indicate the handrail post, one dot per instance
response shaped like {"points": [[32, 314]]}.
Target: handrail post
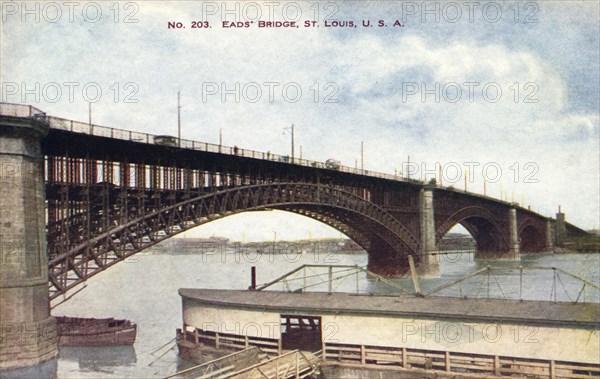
{"points": [[554, 283], [488, 281], [521, 284], [330, 279], [363, 359], [496, 365]]}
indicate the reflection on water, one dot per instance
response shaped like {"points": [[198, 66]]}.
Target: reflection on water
{"points": [[47, 369], [144, 290], [99, 358]]}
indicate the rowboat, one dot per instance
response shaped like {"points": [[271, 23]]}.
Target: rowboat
{"points": [[78, 331]]}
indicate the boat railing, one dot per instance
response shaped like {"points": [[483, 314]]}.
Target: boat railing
{"points": [[574, 289], [219, 340], [447, 361], [311, 277], [487, 282]]}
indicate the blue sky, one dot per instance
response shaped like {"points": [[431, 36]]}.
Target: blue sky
{"points": [[553, 58]]}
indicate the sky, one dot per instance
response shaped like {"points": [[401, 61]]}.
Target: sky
{"points": [[505, 90]]}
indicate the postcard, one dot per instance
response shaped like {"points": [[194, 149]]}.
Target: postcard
{"points": [[324, 189]]}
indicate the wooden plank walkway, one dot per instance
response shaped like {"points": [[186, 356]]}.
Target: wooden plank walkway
{"points": [[252, 363], [294, 364]]}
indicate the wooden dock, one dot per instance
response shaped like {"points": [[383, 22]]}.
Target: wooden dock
{"points": [[252, 363]]}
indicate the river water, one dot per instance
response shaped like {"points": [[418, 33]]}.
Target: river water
{"points": [[144, 289]]}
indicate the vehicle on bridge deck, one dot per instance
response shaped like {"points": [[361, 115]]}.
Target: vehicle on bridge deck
{"points": [[79, 331], [333, 164], [165, 140]]}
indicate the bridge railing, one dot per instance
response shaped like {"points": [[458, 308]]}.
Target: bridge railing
{"points": [[103, 131], [20, 110]]}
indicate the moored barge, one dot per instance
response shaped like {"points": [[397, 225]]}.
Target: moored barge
{"points": [[79, 331], [453, 335]]}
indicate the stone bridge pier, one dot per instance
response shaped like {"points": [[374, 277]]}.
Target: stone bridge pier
{"points": [[514, 247], [429, 264], [28, 332]]}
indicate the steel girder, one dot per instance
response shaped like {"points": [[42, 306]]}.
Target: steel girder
{"points": [[116, 237]]}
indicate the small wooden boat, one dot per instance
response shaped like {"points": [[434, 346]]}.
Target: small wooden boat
{"points": [[78, 331]]}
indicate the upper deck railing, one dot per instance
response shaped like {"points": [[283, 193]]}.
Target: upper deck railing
{"points": [[20, 110], [128, 135], [27, 111]]}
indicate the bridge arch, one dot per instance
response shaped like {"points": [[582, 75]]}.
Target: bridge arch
{"points": [[531, 238], [483, 226], [366, 223]]}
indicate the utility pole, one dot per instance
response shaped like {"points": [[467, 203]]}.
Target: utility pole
{"points": [[484, 186], [178, 118], [90, 117], [220, 138], [292, 131], [362, 156], [292, 142]]}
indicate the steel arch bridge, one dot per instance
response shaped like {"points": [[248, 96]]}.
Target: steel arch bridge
{"points": [[111, 193], [133, 232]]}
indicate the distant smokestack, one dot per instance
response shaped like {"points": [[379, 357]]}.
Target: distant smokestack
{"points": [[253, 278]]}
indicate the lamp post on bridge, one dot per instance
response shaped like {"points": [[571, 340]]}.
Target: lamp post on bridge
{"points": [[362, 157], [90, 117], [291, 129], [179, 119]]}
